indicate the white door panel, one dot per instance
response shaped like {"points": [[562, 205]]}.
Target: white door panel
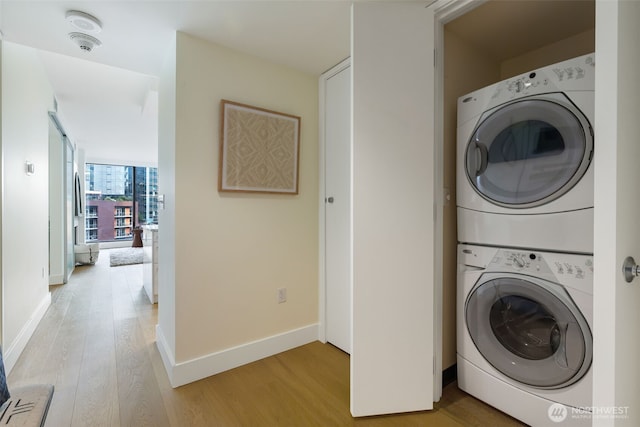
{"points": [[617, 207], [392, 358], [338, 208]]}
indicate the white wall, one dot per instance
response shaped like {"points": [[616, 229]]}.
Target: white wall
{"points": [[26, 99], [232, 251]]}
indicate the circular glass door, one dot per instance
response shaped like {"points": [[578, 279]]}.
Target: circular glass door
{"points": [[529, 152], [531, 331]]}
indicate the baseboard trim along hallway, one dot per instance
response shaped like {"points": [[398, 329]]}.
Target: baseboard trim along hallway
{"points": [[202, 367], [13, 351]]}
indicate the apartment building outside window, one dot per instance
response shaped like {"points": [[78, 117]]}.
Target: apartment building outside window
{"points": [[118, 199]]}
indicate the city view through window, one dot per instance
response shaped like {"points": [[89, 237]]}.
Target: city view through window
{"points": [[119, 199]]}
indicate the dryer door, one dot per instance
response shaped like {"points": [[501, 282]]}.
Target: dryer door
{"points": [[529, 152], [529, 329]]}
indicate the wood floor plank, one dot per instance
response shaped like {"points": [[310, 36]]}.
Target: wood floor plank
{"points": [[138, 391], [97, 397], [64, 362]]}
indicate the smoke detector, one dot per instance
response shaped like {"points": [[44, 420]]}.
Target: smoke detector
{"points": [[85, 41], [84, 22]]}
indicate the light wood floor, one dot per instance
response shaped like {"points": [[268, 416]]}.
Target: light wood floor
{"points": [[96, 345]]}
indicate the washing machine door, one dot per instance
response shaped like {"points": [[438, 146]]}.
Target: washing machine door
{"points": [[529, 329], [529, 152]]}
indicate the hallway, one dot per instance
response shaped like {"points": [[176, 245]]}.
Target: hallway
{"points": [[96, 345]]}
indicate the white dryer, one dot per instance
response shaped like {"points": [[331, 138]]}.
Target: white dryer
{"points": [[524, 160], [524, 339]]}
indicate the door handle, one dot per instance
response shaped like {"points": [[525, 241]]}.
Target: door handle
{"points": [[477, 159], [630, 269], [329, 199], [483, 155]]}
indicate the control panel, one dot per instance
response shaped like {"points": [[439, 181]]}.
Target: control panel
{"points": [[517, 261], [572, 271], [576, 74], [560, 266], [558, 77]]}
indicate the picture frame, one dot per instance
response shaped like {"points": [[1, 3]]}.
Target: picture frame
{"points": [[259, 150]]}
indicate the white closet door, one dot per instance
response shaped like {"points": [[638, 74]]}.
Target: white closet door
{"points": [[338, 207], [616, 236], [392, 355]]}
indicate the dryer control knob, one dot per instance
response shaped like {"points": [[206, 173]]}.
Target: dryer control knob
{"points": [[519, 261], [519, 86]]}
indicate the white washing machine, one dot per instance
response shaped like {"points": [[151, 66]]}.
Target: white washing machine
{"points": [[524, 339], [524, 160]]}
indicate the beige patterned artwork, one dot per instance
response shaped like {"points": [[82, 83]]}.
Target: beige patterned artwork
{"points": [[258, 150]]}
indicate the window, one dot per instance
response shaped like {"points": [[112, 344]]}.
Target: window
{"points": [[119, 198]]}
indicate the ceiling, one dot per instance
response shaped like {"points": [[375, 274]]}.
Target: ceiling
{"points": [[107, 98]]}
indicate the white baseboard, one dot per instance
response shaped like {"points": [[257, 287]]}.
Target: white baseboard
{"points": [[165, 353], [14, 350], [196, 369]]}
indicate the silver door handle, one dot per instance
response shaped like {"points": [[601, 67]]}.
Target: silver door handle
{"points": [[630, 269], [329, 199]]}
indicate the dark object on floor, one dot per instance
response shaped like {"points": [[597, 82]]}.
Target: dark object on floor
{"points": [[137, 238], [25, 406], [449, 375]]}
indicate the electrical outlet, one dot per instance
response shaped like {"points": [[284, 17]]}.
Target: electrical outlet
{"points": [[282, 295]]}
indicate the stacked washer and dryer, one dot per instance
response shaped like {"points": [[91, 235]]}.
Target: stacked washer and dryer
{"points": [[525, 253]]}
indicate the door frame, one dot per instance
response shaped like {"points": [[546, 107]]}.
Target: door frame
{"points": [[444, 11], [322, 284]]}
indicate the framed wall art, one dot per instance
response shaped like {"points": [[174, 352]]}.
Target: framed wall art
{"points": [[259, 150]]}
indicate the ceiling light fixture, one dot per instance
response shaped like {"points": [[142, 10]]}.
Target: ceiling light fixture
{"points": [[85, 41], [84, 22]]}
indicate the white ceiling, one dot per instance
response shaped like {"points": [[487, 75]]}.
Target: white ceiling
{"points": [[108, 98]]}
